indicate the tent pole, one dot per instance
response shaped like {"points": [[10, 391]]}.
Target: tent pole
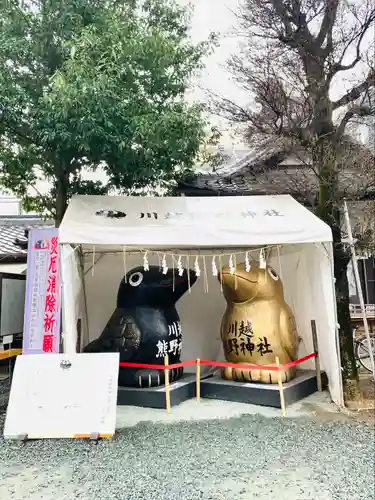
{"points": [[85, 334], [365, 279], [338, 352], [317, 361], [359, 287], [281, 389]]}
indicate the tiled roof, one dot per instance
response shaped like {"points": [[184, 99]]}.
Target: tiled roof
{"points": [[269, 169], [13, 229], [282, 179]]}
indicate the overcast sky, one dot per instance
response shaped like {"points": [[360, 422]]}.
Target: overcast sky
{"points": [[215, 16]]}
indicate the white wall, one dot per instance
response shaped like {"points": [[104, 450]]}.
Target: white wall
{"points": [[9, 205]]}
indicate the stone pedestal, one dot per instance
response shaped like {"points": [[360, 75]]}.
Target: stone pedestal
{"points": [[304, 384]]}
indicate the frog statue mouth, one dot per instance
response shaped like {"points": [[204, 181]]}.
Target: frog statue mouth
{"points": [[237, 276], [238, 288]]}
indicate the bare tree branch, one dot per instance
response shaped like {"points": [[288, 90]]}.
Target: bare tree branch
{"points": [[288, 82], [326, 28], [353, 111], [356, 92], [358, 36], [299, 38]]}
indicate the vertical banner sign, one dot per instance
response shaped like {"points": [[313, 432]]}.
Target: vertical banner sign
{"points": [[41, 331]]}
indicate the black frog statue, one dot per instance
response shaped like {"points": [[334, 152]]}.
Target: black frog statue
{"points": [[145, 325]]}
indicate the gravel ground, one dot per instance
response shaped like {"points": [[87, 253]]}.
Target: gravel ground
{"points": [[244, 458], [4, 385], [4, 392]]}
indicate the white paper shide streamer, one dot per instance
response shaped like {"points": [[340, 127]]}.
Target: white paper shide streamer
{"points": [[180, 269], [247, 263], [262, 260], [164, 267], [216, 261], [93, 261], [197, 268], [146, 266], [214, 267], [231, 265], [124, 262]]}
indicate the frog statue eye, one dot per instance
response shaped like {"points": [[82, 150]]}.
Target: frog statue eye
{"points": [[273, 274], [136, 279]]}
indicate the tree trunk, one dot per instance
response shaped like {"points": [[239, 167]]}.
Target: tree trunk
{"points": [[62, 186], [329, 211], [348, 362]]}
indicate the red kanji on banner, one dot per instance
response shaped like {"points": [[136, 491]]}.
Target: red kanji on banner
{"points": [[48, 343], [54, 243], [52, 265], [51, 286], [49, 323], [50, 304]]}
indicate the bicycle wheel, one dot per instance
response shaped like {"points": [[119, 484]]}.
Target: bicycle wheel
{"points": [[362, 351]]}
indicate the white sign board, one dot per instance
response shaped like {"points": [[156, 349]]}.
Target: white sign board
{"points": [[63, 396]]}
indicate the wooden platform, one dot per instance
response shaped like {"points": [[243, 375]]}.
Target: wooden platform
{"points": [[10, 353]]}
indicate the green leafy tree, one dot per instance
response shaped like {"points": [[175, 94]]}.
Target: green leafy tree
{"points": [[210, 155], [87, 84]]}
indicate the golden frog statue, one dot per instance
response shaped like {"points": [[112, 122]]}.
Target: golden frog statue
{"points": [[258, 325]]}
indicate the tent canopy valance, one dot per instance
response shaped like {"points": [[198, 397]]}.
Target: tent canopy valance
{"points": [[181, 222]]}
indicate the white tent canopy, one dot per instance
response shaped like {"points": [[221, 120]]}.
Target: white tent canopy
{"points": [[184, 222], [101, 236]]}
